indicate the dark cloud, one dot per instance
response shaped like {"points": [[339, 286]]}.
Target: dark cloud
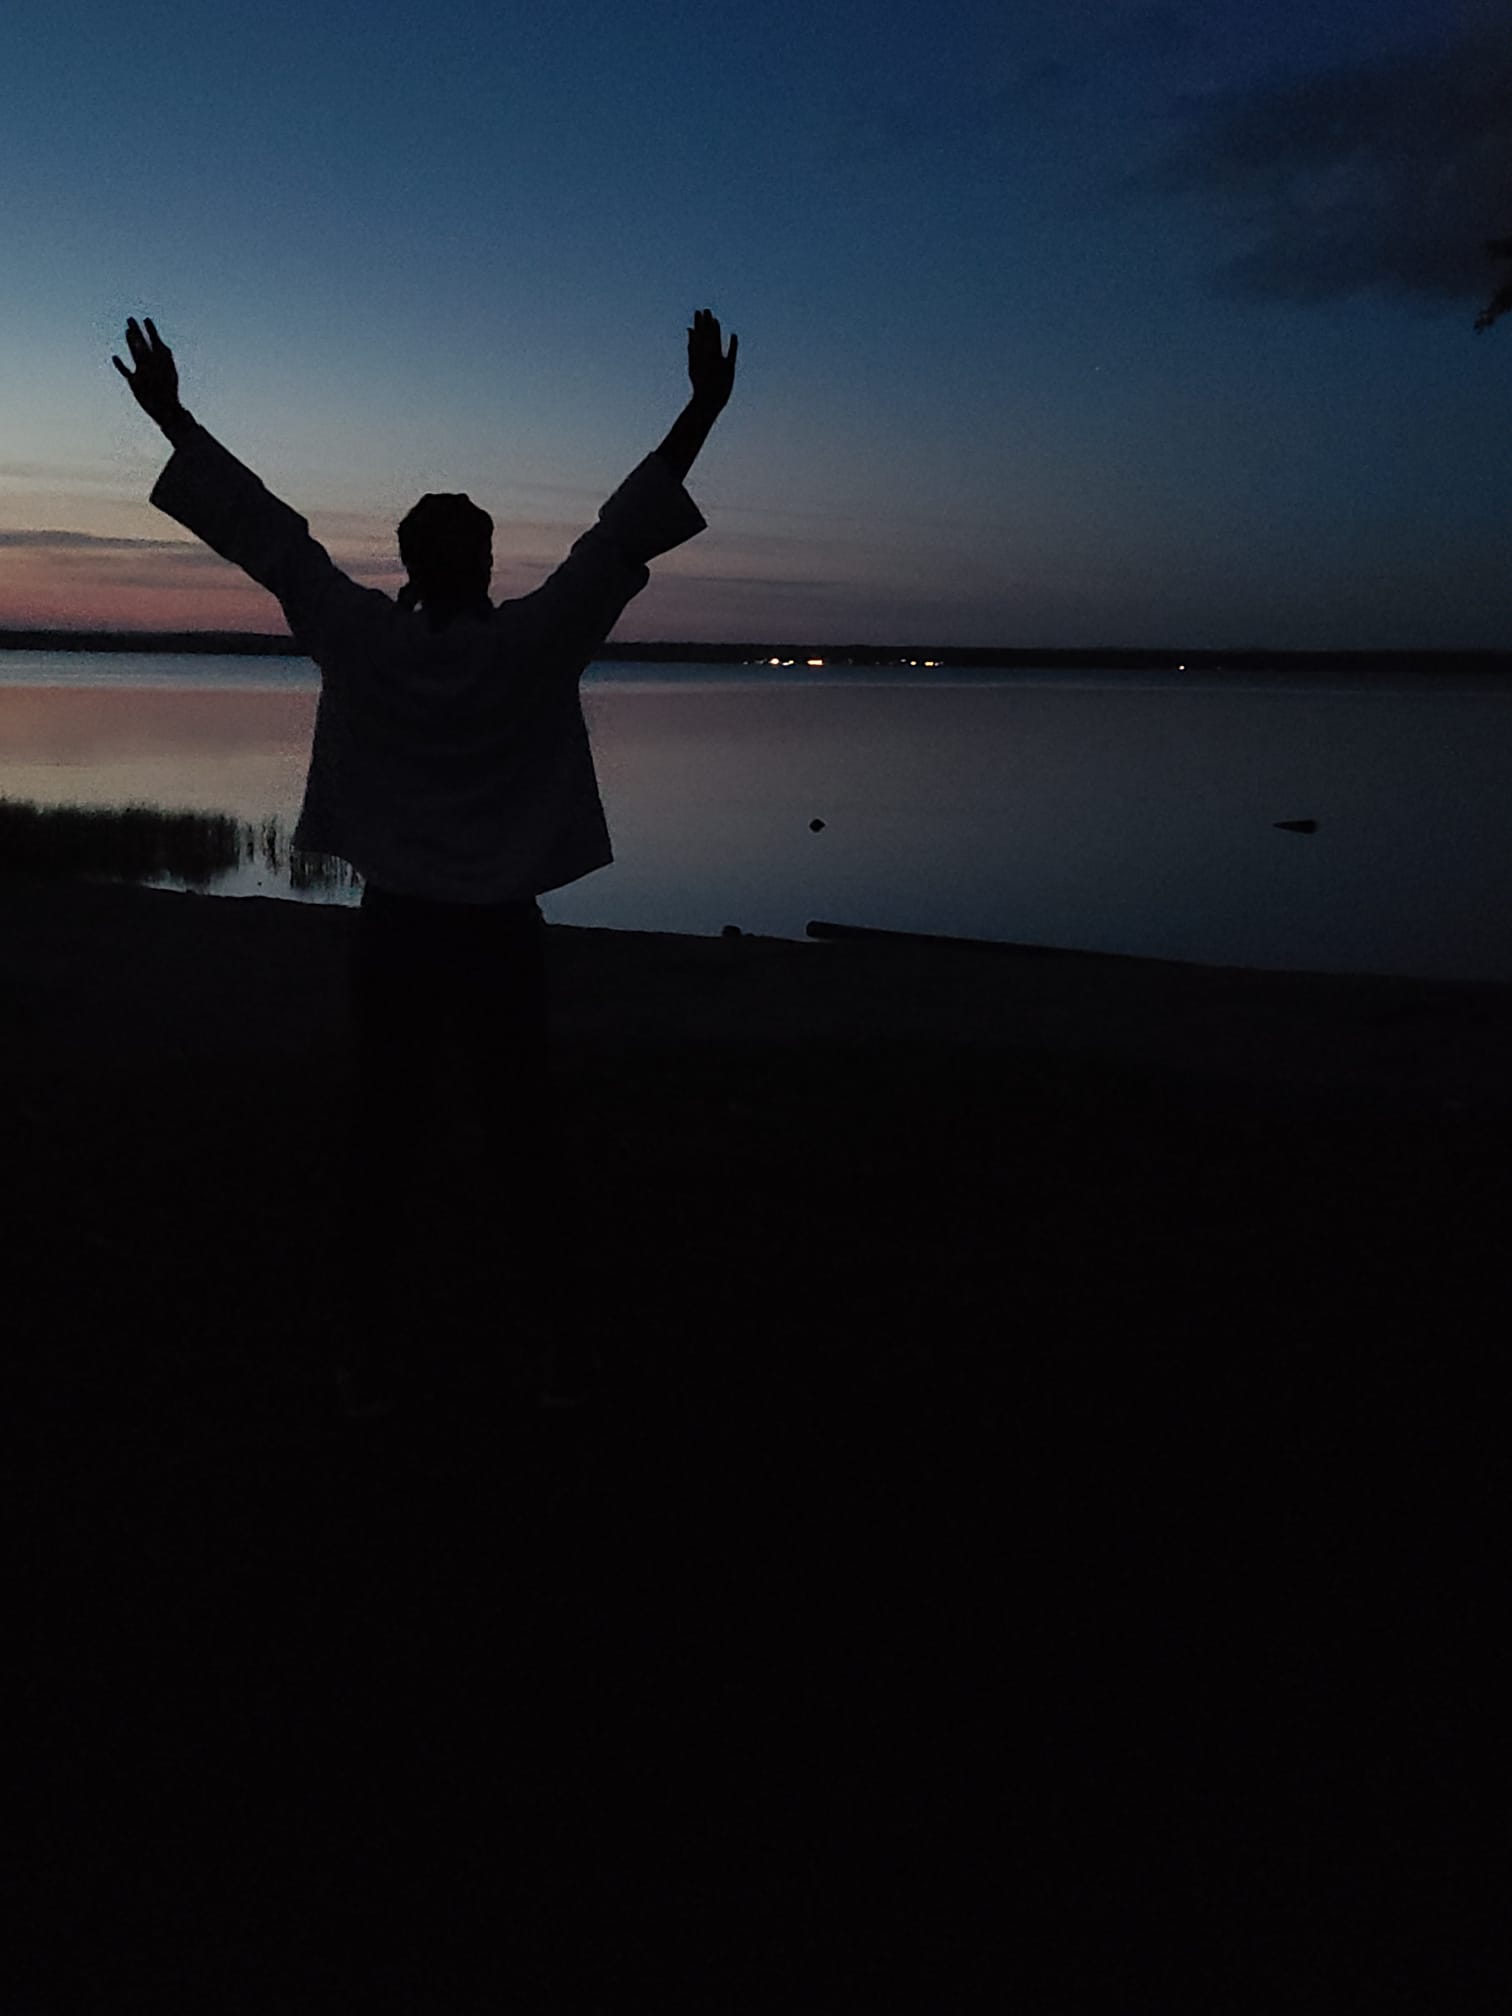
{"points": [[866, 130], [1154, 31], [110, 556], [92, 474], [1386, 175], [61, 540], [1033, 84], [1086, 39], [162, 579], [783, 581], [1090, 50]]}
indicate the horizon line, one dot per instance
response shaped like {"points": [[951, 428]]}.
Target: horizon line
{"points": [[272, 643]]}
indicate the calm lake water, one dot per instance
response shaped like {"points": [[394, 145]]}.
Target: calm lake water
{"points": [[1114, 812]]}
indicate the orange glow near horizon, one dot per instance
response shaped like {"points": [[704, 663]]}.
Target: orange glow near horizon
{"points": [[84, 605], [127, 583], [101, 558], [127, 587], [129, 572]]}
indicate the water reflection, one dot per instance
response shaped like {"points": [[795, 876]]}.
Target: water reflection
{"points": [[1362, 828]]}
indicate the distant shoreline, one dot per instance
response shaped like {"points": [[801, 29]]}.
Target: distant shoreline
{"points": [[1108, 657]]}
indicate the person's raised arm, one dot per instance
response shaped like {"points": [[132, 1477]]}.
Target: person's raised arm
{"points": [[205, 489], [572, 612], [713, 378]]}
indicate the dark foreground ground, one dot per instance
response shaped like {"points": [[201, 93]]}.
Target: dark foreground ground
{"points": [[1041, 1548]]}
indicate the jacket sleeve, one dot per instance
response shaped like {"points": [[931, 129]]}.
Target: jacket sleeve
{"points": [[205, 489], [576, 607]]}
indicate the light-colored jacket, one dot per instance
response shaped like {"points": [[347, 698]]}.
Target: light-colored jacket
{"points": [[456, 764]]}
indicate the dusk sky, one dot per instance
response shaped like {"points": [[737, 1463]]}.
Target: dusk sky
{"points": [[1065, 323]]}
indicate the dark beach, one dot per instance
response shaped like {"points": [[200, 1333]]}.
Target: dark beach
{"points": [[1036, 1548]]}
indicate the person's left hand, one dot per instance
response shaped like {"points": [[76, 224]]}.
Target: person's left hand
{"points": [[154, 383]]}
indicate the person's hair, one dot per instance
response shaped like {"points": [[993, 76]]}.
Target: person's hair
{"points": [[444, 542]]}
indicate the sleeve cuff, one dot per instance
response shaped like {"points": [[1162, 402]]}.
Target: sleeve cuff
{"points": [[651, 511], [167, 492]]}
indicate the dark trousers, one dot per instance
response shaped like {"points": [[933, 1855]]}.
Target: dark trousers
{"points": [[448, 1137]]}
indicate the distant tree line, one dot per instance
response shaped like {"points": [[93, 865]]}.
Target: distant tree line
{"points": [[833, 657]]}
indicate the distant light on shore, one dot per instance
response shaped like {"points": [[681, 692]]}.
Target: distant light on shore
{"points": [[816, 661]]}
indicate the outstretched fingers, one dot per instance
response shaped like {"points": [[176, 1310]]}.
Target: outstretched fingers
{"points": [[706, 329], [141, 346]]}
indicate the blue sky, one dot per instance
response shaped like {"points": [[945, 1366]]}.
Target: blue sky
{"points": [[1071, 323]]}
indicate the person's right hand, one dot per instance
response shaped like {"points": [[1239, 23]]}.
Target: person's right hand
{"points": [[711, 372], [154, 383]]}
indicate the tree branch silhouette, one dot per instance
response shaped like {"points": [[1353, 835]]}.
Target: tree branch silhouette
{"points": [[1501, 301]]}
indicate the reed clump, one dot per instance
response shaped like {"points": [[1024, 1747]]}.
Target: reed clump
{"points": [[138, 842]]}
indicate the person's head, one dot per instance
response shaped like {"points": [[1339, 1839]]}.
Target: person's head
{"points": [[446, 544]]}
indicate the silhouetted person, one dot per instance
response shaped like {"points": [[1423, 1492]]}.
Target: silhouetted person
{"points": [[451, 767]]}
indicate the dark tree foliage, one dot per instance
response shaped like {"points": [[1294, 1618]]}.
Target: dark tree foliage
{"points": [[1501, 301]]}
